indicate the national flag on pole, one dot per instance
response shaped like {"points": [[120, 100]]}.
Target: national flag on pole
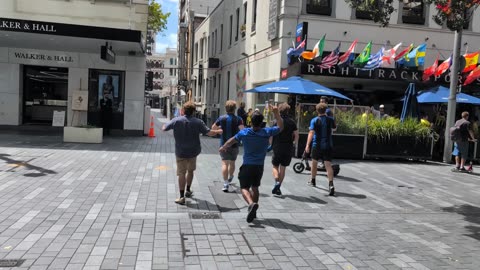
{"points": [[443, 67], [362, 59], [416, 57], [375, 61], [389, 55], [331, 59], [346, 56], [474, 74], [400, 56], [471, 61], [291, 52], [430, 70], [316, 52]]}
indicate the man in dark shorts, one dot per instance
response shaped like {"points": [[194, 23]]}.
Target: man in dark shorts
{"points": [[461, 145], [255, 143], [231, 125], [321, 135], [186, 130], [283, 146]]}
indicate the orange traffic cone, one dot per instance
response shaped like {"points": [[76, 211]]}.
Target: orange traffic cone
{"points": [[151, 132]]}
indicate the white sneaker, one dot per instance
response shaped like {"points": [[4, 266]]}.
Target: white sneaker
{"points": [[225, 187]]}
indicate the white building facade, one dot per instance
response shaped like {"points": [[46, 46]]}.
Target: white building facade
{"points": [[165, 71], [51, 49], [250, 39]]}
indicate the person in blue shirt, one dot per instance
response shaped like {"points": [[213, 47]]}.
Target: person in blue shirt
{"points": [[255, 144], [231, 125], [320, 134], [324, 100], [186, 131]]}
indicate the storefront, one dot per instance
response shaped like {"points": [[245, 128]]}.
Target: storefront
{"points": [[43, 64]]}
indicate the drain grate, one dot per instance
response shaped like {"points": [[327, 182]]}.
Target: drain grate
{"points": [[206, 215], [11, 263], [227, 244]]}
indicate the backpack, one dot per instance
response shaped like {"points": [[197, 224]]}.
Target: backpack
{"points": [[455, 133]]}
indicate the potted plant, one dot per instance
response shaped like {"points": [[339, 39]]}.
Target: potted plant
{"points": [[83, 134]]}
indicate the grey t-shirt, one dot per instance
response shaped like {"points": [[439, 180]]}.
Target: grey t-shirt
{"points": [[465, 127], [186, 130]]}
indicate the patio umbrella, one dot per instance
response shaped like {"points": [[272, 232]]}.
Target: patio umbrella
{"points": [[299, 86], [410, 104], [440, 94]]}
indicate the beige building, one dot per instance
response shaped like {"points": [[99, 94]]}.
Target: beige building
{"points": [[49, 49]]}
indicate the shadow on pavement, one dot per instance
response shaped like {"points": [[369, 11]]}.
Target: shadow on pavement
{"points": [[208, 206], [306, 199], [19, 163], [280, 224], [343, 194], [348, 179], [471, 214]]}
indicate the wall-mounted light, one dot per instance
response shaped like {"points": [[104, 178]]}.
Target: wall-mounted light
{"points": [[426, 39], [388, 43], [345, 33], [244, 54], [433, 45]]}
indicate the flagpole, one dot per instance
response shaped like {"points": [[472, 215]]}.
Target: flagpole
{"points": [[452, 99]]}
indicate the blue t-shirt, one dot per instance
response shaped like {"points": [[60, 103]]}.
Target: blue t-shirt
{"points": [[322, 125], [229, 124], [186, 130], [255, 144]]}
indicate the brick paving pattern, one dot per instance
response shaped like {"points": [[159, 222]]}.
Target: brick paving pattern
{"points": [[111, 206]]}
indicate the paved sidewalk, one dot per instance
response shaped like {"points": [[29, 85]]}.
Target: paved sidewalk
{"points": [[111, 206]]}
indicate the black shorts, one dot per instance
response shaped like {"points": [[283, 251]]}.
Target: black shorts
{"points": [[283, 158], [250, 176], [322, 154]]}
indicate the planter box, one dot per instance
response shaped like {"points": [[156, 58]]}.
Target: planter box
{"points": [[344, 146], [400, 147], [82, 135]]}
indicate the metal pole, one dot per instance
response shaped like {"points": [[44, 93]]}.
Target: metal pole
{"points": [[452, 99]]}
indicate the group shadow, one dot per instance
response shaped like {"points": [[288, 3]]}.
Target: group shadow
{"points": [[19, 163], [281, 224], [471, 214]]}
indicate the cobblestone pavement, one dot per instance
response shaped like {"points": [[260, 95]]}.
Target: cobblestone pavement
{"points": [[111, 206]]}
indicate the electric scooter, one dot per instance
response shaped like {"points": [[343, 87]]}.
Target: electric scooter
{"points": [[299, 167]]}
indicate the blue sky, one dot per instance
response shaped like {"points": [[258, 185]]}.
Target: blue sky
{"points": [[168, 38]]}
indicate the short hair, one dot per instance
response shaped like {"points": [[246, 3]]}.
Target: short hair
{"points": [[189, 108], [284, 108], [324, 98], [242, 104], [257, 119], [230, 106], [465, 114], [321, 108]]}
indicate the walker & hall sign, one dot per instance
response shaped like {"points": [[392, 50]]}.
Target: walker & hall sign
{"points": [[388, 74], [26, 26]]}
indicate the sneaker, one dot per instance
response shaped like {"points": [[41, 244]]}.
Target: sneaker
{"points": [[463, 170], [188, 194], [312, 183], [332, 191], [279, 192], [180, 200], [230, 179], [252, 212], [275, 188], [225, 187]]}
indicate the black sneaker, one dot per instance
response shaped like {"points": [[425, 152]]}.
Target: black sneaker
{"points": [[463, 170], [279, 192], [252, 212], [312, 183], [188, 194], [275, 189], [332, 191]]}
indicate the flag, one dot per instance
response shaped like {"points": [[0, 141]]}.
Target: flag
{"points": [[430, 70], [474, 74], [389, 55], [296, 51], [347, 55], [443, 67], [416, 57], [471, 61], [316, 52], [375, 61], [362, 59], [331, 59], [400, 56]]}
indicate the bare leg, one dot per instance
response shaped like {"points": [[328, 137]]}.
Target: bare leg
{"points": [[328, 166], [275, 172], [247, 196], [314, 168], [457, 161], [182, 180], [189, 178], [255, 194], [281, 175], [225, 169], [462, 162], [231, 168]]}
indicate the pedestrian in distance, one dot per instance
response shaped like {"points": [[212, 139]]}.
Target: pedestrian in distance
{"points": [[186, 131], [462, 134], [255, 144], [283, 146], [320, 135], [241, 112], [231, 125]]}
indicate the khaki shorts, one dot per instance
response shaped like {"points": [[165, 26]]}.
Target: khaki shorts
{"points": [[186, 164]]}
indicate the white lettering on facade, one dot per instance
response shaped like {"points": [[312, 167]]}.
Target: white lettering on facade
{"points": [[331, 70], [356, 72], [403, 75], [44, 57], [345, 71], [393, 75], [311, 68], [381, 73], [415, 76]]}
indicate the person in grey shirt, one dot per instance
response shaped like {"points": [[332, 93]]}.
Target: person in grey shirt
{"points": [[186, 131]]}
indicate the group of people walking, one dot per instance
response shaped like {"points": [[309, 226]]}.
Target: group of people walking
{"points": [[256, 140]]}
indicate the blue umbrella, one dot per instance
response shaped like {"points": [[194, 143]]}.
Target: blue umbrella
{"points": [[410, 104], [297, 85], [440, 94]]}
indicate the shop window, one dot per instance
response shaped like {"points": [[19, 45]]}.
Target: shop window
{"points": [[171, 72], [413, 12], [221, 38], [254, 15], [171, 61], [238, 24], [196, 51], [106, 85], [320, 7], [231, 30], [363, 11]]}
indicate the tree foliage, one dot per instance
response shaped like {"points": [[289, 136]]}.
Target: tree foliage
{"points": [[157, 20], [452, 13]]}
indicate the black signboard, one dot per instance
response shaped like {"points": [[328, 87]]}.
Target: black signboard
{"points": [[72, 30], [213, 63], [107, 54], [301, 34], [149, 80], [200, 74]]}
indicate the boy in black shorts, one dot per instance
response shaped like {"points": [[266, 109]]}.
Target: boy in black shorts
{"points": [[255, 143], [283, 146], [321, 135]]}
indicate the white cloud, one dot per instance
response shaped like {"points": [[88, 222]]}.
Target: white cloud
{"points": [[163, 42]]}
